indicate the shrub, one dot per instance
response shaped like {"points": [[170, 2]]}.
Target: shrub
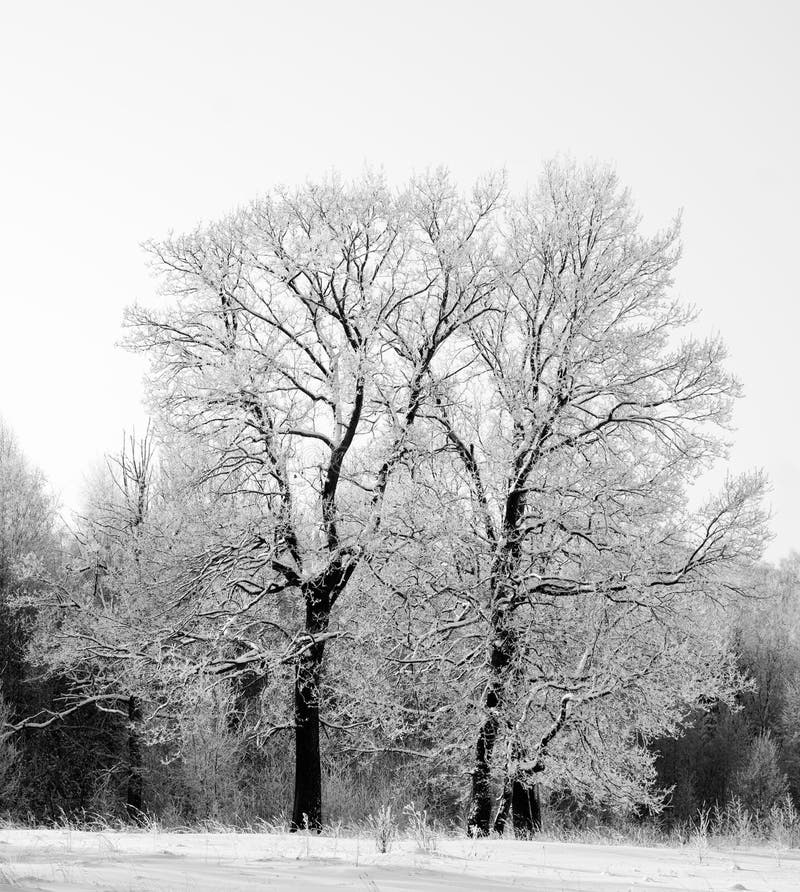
{"points": [[383, 828]]}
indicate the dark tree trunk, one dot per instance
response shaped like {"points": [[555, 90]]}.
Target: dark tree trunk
{"points": [[480, 811], [522, 800], [503, 644], [526, 808], [307, 808], [133, 797], [320, 595], [503, 810]]}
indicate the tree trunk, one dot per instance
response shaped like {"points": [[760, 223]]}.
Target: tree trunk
{"points": [[503, 810], [526, 808], [503, 644], [480, 810], [523, 801], [133, 797], [307, 808]]}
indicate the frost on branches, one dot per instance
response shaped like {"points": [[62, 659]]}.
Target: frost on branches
{"points": [[422, 483]]}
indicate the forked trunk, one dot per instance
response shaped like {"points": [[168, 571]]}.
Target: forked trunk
{"points": [[523, 802], [524, 805]]}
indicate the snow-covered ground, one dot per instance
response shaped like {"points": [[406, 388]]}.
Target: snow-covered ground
{"points": [[214, 862]]}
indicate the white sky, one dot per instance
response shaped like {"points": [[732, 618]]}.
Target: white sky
{"points": [[121, 121]]}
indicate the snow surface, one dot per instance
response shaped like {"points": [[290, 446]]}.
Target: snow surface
{"points": [[214, 862]]}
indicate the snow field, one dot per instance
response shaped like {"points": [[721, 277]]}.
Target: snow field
{"points": [[63, 859]]}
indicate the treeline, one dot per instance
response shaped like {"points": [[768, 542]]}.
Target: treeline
{"points": [[412, 523], [749, 753]]}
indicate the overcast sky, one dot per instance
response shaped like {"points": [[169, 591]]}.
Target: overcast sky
{"points": [[121, 121]]}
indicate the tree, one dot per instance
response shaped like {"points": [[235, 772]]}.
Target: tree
{"points": [[301, 345], [113, 526], [720, 747], [26, 529], [765, 638], [760, 783], [572, 430], [789, 729], [51, 767]]}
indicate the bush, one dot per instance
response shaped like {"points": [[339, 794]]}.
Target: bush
{"points": [[420, 828], [383, 828]]}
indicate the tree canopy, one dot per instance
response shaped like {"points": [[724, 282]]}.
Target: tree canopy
{"points": [[418, 482]]}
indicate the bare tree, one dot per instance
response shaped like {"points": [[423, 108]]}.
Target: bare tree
{"points": [[27, 519], [300, 347], [570, 435], [26, 530], [131, 473], [74, 604]]}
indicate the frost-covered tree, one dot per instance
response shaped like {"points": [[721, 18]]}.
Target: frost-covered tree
{"points": [[112, 622], [26, 531], [581, 414], [26, 510], [766, 637], [298, 346], [759, 783], [599, 416], [51, 770], [81, 617]]}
